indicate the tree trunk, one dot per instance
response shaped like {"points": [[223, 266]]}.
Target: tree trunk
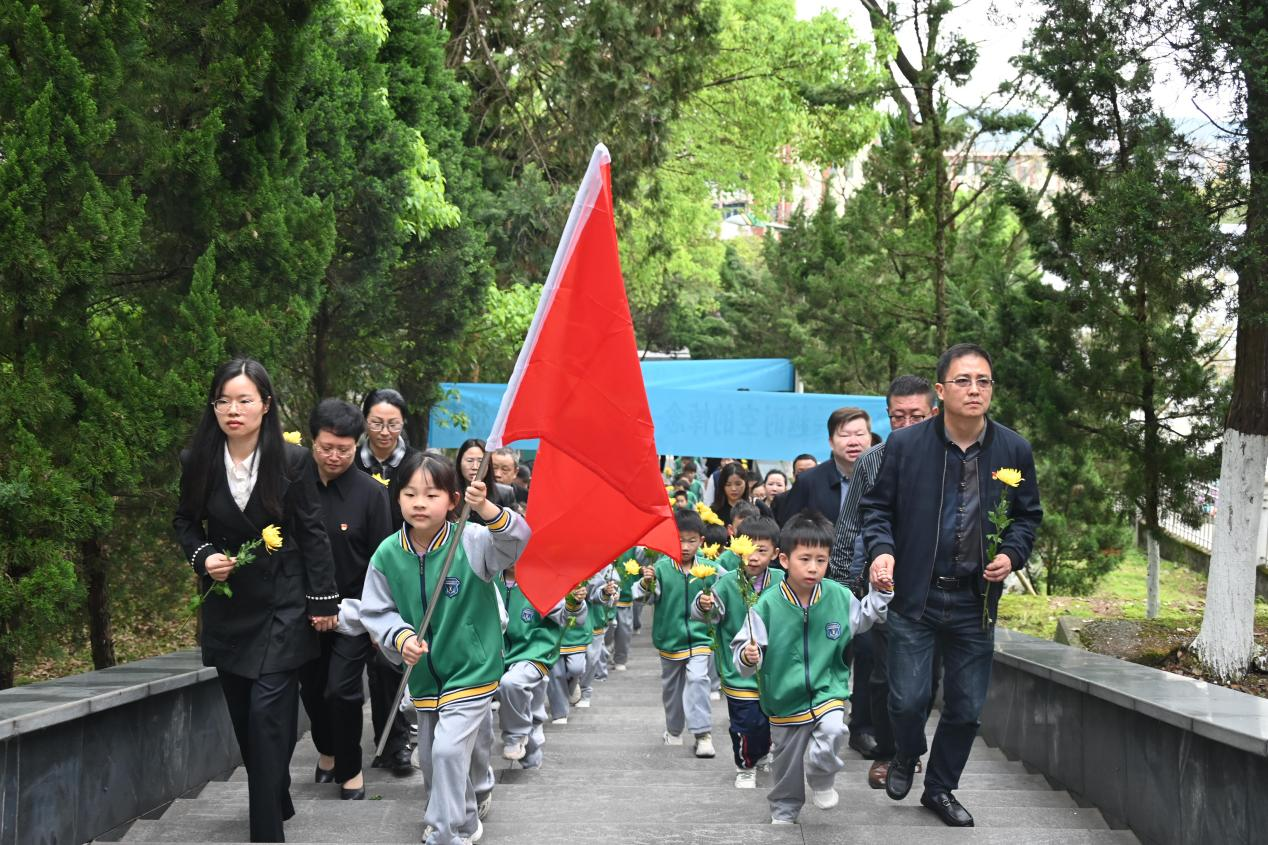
{"points": [[1151, 592], [6, 673], [321, 352], [1226, 641], [100, 627]]}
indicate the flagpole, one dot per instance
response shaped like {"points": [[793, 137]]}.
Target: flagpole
{"points": [[435, 596]]}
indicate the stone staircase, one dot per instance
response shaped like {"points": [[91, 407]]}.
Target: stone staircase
{"points": [[608, 778]]}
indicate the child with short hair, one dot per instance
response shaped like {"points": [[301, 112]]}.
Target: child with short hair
{"points": [[685, 644], [796, 636], [742, 511], [624, 610], [531, 647], [457, 661], [564, 687], [726, 608]]}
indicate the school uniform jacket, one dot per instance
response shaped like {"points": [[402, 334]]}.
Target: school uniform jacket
{"points": [[464, 661], [804, 670], [676, 635], [531, 637], [264, 626], [728, 618]]}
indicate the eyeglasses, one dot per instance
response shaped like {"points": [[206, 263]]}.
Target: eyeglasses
{"points": [[326, 452], [394, 426], [912, 418], [964, 382], [223, 406]]}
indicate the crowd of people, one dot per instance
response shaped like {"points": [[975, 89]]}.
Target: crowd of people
{"points": [[827, 608]]}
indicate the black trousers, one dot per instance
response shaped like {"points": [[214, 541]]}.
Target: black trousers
{"points": [[265, 716], [330, 687], [385, 707], [878, 690], [861, 715]]}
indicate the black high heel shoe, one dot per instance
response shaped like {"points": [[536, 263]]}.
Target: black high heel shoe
{"points": [[324, 775], [357, 794]]}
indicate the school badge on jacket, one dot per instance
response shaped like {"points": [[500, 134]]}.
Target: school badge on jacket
{"points": [[452, 586], [833, 630]]}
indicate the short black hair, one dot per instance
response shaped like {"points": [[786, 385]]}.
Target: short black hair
{"points": [[340, 418], [807, 528], [778, 472], [716, 534], [442, 471], [841, 416], [910, 385], [762, 528], [805, 456], [961, 350], [688, 520], [743, 510], [385, 395], [688, 466]]}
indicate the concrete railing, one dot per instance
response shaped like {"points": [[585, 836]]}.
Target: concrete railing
{"points": [[1175, 759], [82, 755]]}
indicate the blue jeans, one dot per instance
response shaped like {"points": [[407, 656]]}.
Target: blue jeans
{"points": [[951, 623]]}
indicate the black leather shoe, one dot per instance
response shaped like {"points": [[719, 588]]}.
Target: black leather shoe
{"points": [[899, 777], [357, 794], [951, 811], [401, 763], [324, 775], [865, 744]]}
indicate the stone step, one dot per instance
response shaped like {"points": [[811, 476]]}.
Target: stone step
{"points": [[519, 795], [642, 833], [566, 778]]}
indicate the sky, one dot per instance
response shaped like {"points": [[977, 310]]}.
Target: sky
{"points": [[1000, 30]]}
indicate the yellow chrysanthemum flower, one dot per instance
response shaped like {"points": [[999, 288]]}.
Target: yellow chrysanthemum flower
{"points": [[632, 568], [1005, 475], [702, 571], [293, 437], [380, 479], [707, 514], [272, 536], [711, 551], [742, 547]]}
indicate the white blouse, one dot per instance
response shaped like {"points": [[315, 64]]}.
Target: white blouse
{"points": [[241, 477]]}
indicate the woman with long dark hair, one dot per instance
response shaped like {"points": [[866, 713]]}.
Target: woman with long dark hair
{"points": [[732, 486], [238, 478]]}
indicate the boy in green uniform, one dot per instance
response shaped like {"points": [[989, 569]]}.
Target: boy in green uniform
{"points": [[603, 595], [685, 644], [564, 686], [530, 647], [799, 633], [727, 610], [458, 660]]}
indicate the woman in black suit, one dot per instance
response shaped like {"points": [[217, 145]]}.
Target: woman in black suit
{"points": [[237, 477]]}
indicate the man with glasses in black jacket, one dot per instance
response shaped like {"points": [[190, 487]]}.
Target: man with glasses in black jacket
{"points": [[926, 524]]}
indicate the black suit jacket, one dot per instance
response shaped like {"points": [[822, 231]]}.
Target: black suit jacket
{"points": [[264, 625], [817, 489]]}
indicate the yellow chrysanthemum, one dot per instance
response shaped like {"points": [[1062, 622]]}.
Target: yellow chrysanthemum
{"points": [[1005, 475], [707, 514], [272, 536], [380, 479], [711, 551], [632, 567], [702, 571], [742, 547], [293, 437]]}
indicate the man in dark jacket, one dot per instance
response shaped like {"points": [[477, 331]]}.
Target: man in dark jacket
{"points": [[823, 488], [927, 528]]}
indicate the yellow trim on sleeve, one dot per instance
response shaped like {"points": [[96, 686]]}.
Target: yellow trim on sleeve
{"points": [[502, 522], [401, 636]]}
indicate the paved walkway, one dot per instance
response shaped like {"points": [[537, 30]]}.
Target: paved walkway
{"points": [[608, 779]]}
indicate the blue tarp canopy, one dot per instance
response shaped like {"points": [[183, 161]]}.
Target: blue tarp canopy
{"points": [[727, 421]]}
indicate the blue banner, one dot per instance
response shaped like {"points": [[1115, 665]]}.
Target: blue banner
{"points": [[712, 423], [768, 374]]}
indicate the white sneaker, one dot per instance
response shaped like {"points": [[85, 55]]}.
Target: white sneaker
{"points": [[583, 703], [515, 749], [764, 763], [428, 830], [826, 799], [704, 746], [746, 779], [620, 667], [774, 820], [574, 692], [715, 696], [475, 837], [562, 720], [672, 739], [482, 808]]}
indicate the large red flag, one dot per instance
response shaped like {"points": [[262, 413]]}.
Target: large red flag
{"points": [[578, 388]]}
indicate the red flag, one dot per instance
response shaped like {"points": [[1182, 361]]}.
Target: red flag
{"points": [[578, 388]]}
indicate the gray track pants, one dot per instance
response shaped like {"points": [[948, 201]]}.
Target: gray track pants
{"points": [[624, 632], [684, 689], [805, 753], [453, 765]]}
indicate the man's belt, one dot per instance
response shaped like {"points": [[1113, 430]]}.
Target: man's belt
{"points": [[952, 583]]}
